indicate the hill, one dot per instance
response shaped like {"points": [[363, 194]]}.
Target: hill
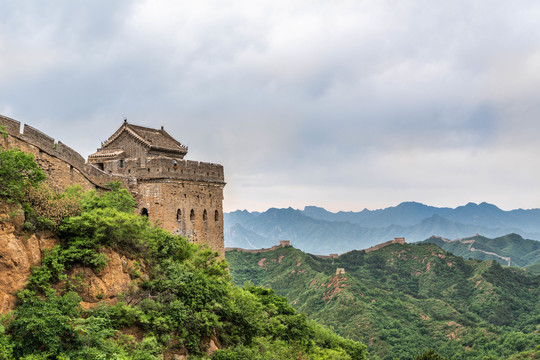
{"points": [[318, 231], [404, 299], [511, 250]]}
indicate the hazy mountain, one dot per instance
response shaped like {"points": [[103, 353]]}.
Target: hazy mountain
{"points": [[405, 214], [404, 299], [318, 231], [410, 213]]}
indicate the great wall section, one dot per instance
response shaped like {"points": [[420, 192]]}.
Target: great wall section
{"points": [[183, 196]]}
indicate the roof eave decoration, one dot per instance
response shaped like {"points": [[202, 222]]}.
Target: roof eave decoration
{"points": [[101, 153], [174, 151]]}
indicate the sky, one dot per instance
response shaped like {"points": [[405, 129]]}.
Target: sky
{"points": [[341, 104]]}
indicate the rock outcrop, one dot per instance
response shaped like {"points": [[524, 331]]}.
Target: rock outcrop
{"points": [[18, 253]]}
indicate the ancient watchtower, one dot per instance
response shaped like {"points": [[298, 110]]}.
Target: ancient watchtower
{"points": [[185, 197]]}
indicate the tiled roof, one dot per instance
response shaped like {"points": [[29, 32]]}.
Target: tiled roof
{"points": [[157, 139]]}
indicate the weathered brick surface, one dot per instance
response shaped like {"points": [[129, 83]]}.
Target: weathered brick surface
{"points": [[62, 167], [172, 202]]}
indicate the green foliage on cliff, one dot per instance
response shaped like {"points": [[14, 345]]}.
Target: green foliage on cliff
{"points": [[3, 132], [403, 300], [18, 171], [182, 298]]}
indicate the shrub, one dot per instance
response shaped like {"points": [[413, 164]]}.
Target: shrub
{"points": [[18, 172], [116, 198], [47, 209], [45, 325]]}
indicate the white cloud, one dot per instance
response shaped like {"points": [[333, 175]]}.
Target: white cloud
{"points": [[299, 100]]}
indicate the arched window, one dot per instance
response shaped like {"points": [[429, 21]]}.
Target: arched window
{"points": [[216, 216], [205, 215], [178, 215], [144, 212], [192, 215]]}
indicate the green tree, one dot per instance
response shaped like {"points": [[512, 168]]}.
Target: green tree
{"points": [[18, 171], [117, 198]]}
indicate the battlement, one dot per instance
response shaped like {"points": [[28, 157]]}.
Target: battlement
{"points": [[38, 138], [163, 168], [46, 144], [13, 127]]}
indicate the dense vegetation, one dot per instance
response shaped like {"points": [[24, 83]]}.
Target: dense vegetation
{"points": [[520, 252], [403, 300], [180, 300]]}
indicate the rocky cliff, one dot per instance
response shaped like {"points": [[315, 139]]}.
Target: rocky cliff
{"points": [[21, 250]]}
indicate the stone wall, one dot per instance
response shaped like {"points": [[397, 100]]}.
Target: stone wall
{"points": [[167, 168], [189, 208], [399, 240], [64, 166]]}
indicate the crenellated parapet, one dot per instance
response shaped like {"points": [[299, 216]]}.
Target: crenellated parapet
{"points": [[44, 144], [181, 169]]}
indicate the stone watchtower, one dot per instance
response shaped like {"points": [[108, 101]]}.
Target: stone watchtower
{"points": [[185, 197]]}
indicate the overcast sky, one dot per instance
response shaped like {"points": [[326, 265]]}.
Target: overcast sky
{"points": [[341, 104]]}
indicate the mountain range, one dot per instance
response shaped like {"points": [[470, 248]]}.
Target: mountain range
{"points": [[319, 231]]}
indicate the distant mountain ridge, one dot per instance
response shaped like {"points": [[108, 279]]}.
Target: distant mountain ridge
{"points": [[319, 231], [410, 213]]}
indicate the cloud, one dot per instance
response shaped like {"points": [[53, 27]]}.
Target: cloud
{"points": [[309, 102]]}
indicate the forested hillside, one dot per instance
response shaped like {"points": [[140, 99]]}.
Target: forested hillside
{"points": [[510, 249], [402, 300]]}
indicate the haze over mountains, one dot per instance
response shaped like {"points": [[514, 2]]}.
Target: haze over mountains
{"points": [[318, 231]]}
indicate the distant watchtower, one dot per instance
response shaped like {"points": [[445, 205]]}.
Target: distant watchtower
{"points": [[185, 197]]}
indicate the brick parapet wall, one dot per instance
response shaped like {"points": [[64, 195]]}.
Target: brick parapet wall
{"points": [[47, 144], [13, 127], [180, 170]]}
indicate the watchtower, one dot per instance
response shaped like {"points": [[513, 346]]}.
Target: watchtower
{"points": [[184, 196]]}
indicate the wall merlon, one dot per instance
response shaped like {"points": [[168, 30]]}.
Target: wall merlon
{"points": [[183, 170], [36, 137], [13, 127], [70, 155]]}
